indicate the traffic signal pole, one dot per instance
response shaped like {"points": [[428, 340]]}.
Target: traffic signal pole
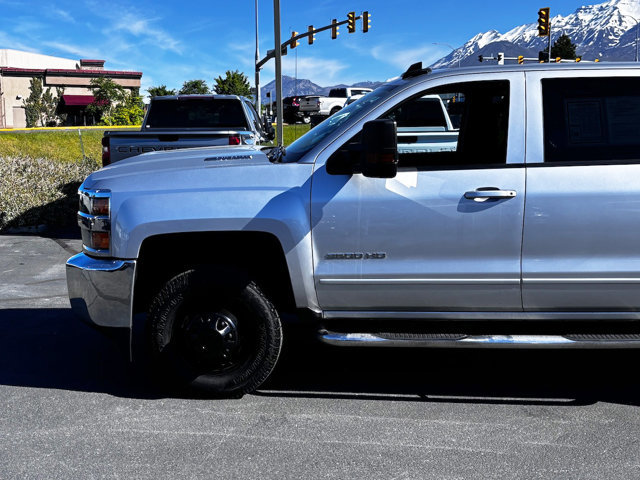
{"points": [[292, 43], [278, 54], [258, 99]]}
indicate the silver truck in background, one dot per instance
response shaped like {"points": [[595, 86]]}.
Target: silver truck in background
{"points": [[188, 121], [337, 99]]}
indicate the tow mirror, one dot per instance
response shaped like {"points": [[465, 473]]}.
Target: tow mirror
{"points": [[268, 129], [379, 149]]}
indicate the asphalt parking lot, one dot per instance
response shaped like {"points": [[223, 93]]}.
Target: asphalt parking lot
{"points": [[73, 407]]}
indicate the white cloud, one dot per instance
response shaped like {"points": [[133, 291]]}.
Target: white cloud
{"points": [[76, 50], [7, 41], [66, 16], [142, 28]]}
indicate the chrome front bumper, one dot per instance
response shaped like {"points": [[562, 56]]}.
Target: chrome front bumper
{"points": [[101, 290]]}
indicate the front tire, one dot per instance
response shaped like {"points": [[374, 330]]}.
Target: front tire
{"points": [[214, 332]]}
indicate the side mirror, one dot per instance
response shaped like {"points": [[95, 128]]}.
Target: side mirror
{"points": [[268, 129], [379, 149]]}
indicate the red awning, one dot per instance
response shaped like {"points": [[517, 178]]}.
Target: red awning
{"points": [[77, 100]]}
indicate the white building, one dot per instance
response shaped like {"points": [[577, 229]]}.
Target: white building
{"points": [[18, 68]]}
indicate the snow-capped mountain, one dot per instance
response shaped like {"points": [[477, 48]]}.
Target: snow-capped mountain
{"points": [[606, 31]]}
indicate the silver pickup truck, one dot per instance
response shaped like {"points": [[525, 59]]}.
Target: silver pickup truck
{"points": [[189, 121], [524, 234]]}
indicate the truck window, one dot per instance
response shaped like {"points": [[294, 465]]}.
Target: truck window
{"points": [[338, 92], [591, 119], [253, 115], [455, 125], [196, 113]]}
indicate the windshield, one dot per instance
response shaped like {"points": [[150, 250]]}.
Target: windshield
{"points": [[304, 144]]}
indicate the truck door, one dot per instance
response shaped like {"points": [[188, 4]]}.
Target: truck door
{"points": [[581, 248], [445, 233]]}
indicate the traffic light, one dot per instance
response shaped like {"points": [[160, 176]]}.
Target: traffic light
{"points": [[351, 22], [543, 22], [334, 29], [520, 59], [294, 43], [311, 36], [480, 58], [543, 56], [366, 22]]}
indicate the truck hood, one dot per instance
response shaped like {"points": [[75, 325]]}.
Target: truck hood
{"points": [[184, 159]]}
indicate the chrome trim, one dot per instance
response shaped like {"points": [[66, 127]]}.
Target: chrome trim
{"points": [[94, 223], [417, 281], [564, 280], [87, 195], [363, 314], [95, 252], [101, 290], [474, 341], [489, 194]]}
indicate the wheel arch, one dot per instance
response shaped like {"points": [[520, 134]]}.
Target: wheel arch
{"points": [[257, 254]]}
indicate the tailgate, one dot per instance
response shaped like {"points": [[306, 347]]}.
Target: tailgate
{"points": [[310, 104], [125, 145]]}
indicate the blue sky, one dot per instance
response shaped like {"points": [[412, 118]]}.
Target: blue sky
{"points": [[171, 42]]}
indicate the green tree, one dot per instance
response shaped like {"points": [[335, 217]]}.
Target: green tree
{"points": [[563, 48], [41, 105], [33, 103], [106, 95], [197, 87], [160, 91], [115, 105], [234, 83], [129, 111]]}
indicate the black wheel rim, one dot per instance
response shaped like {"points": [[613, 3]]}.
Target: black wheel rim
{"points": [[214, 341]]}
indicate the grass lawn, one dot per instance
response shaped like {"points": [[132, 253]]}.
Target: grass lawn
{"points": [[66, 145], [59, 145]]}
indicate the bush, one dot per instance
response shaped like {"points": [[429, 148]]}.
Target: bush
{"points": [[40, 191]]}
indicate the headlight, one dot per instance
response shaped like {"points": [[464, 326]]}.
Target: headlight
{"points": [[94, 218]]}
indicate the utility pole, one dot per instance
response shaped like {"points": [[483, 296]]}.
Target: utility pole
{"points": [[278, 53]]}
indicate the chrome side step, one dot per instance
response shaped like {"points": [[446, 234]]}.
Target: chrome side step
{"points": [[479, 341]]}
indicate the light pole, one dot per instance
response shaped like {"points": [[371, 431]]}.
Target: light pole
{"points": [[258, 100], [278, 53], [447, 45]]}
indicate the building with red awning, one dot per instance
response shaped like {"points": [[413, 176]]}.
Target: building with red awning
{"points": [[74, 76]]}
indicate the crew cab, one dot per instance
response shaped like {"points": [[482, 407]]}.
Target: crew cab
{"points": [[187, 121], [523, 234]]}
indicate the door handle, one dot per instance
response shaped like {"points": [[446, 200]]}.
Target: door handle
{"points": [[481, 194]]}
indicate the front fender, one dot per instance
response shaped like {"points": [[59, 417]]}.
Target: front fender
{"points": [[281, 211]]}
